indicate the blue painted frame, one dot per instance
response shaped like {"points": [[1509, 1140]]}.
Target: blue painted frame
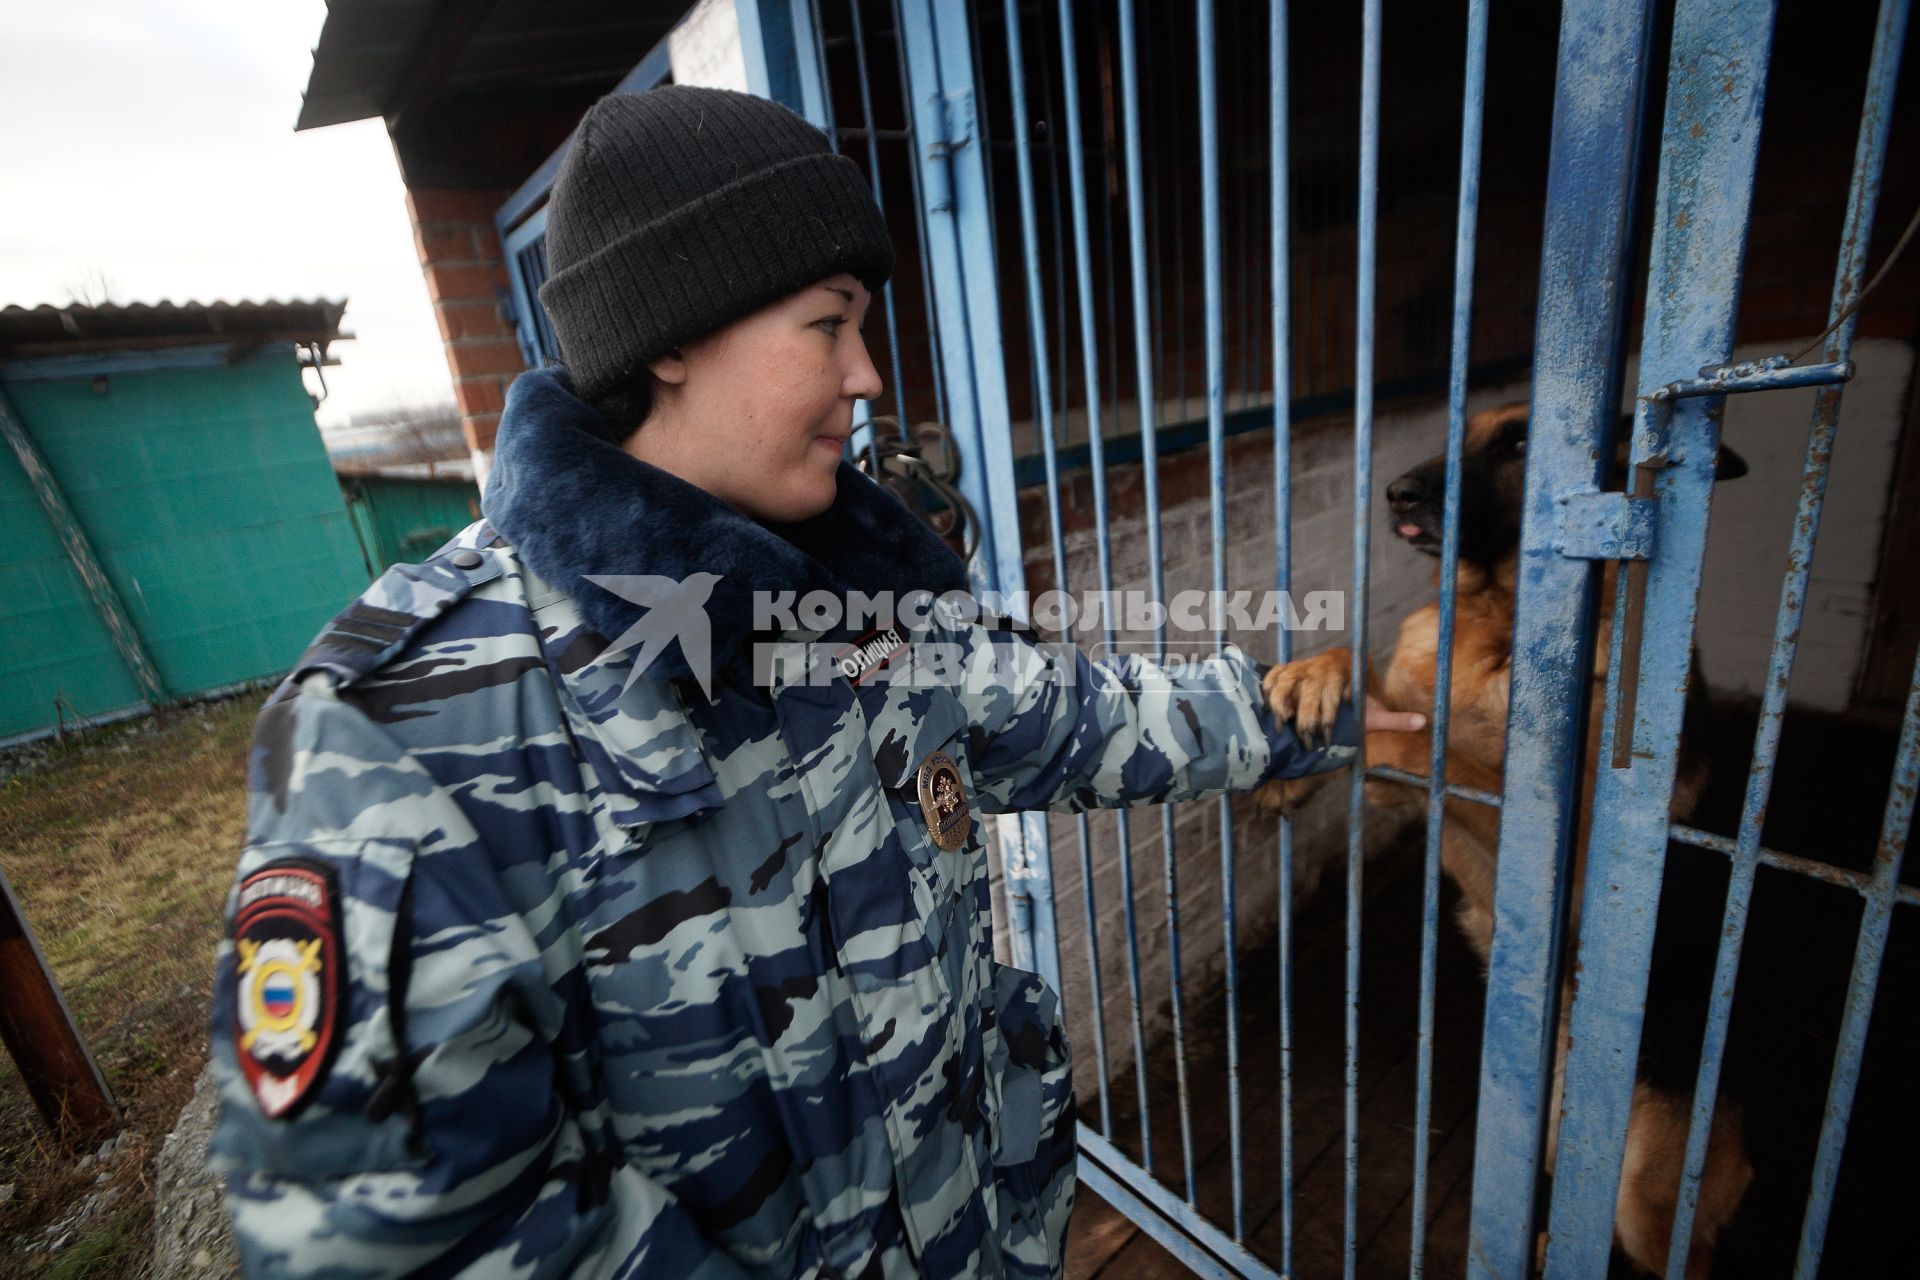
{"points": [[1716, 87], [781, 56], [1596, 119], [1472, 115], [1716, 84], [535, 348], [937, 43], [951, 191]]}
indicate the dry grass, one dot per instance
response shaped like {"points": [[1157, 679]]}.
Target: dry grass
{"points": [[121, 854]]}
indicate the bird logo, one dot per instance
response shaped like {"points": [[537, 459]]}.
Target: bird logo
{"points": [[675, 611]]}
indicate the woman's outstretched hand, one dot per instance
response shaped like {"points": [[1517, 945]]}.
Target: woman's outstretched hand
{"points": [[1308, 692], [1381, 719]]}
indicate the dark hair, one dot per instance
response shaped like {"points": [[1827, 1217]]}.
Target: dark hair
{"points": [[625, 405]]}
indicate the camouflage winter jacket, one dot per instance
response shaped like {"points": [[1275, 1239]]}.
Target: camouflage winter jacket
{"points": [[532, 970]]}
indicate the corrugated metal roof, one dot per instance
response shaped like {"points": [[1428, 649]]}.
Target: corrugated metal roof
{"points": [[50, 330], [369, 48], [365, 48]]}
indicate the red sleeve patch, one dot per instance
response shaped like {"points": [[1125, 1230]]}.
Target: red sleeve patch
{"points": [[291, 982]]}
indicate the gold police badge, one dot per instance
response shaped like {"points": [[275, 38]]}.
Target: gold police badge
{"points": [[943, 801]]}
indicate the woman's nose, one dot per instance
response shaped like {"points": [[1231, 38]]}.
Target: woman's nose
{"points": [[863, 379]]}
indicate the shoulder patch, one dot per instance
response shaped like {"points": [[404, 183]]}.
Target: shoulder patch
{"points": [[292, 982], [371, 631]]}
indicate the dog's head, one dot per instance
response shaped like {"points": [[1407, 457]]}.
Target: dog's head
{"points": [[1493, 466]]}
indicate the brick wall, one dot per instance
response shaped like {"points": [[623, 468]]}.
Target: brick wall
{"points": [[460, 256]]}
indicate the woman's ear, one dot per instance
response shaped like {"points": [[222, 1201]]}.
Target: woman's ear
{"points": [[670, 368]]}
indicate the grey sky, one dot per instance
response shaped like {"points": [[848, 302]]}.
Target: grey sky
{"points": [[153, 140]]}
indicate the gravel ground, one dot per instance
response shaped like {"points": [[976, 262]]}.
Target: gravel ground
{"points": [[192, 1239]]}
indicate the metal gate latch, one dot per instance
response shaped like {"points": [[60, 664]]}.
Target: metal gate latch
{"points": [[1618, 526], [953, 113], [1606, 526]]}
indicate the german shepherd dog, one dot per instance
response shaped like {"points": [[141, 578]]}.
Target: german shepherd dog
{"points": [[1310, 690]]}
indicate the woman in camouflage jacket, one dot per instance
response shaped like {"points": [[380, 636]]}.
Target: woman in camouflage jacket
{"points": [[574, 936]]}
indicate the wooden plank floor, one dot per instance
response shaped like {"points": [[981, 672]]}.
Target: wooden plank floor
{"points": [[1101, 1243]]}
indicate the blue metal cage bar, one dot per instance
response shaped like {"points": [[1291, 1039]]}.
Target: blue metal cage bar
{"points": [[879, 198], [1716, 89], [1870, 157], [1368, 235], [936, 351], [1821, 871], [1282, 305], [1090, 367], [1869, 160], [1216, 463], [1138, 274], [1044, 407], [1472, 106], [1875, 922], [1602, 64]]}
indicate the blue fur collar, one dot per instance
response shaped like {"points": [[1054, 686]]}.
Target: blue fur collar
{"points": [[572, 504]]}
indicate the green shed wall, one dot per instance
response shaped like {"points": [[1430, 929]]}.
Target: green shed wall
{"points": [[208, 497], [404, 520]]}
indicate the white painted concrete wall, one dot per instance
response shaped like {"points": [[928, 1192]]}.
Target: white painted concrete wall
{"points": [[1752, 524]]}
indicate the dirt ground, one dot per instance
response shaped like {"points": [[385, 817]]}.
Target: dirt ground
{"points": [[120, 844]]}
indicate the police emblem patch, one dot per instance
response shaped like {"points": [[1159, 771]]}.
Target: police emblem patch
{"points": [[290, 982], [943, 801]]}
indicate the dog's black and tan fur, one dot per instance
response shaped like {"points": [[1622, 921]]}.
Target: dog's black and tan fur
{"points": [[1491, 481]]}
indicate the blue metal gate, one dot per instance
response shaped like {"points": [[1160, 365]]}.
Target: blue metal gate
{"points": [[1721, 51], [925, 130]]}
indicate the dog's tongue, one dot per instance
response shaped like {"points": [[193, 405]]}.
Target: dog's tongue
{"points": [[1409, 531]]}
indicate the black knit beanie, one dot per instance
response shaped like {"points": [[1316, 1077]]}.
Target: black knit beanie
{"points": [[680, 209]]}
